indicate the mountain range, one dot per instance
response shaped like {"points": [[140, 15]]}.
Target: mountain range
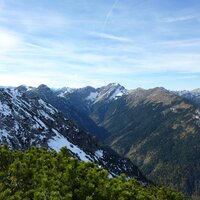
{"points": [[27, 120], [157, 129]]}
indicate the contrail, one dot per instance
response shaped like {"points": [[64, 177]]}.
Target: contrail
{"points": [[137, 3], [109, 14]]}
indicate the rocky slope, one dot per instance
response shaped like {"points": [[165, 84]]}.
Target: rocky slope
{"points": [[27, 120]]}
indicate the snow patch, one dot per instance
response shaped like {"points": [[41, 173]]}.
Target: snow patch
{"points": [[99, 153], [3, 133], [15, 93], [60, 141], [118, 93], [16, 127], [47, 107], [45, 115], [40, 122], [62, 94], [5, 110], [92, 96], [65, 91]]}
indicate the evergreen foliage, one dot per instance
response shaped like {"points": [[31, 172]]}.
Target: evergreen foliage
{"points": [[40, 174]]}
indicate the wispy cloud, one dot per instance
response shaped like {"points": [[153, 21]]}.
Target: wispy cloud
{"points": [[110, 37], [191, 77], [171, 63], [177, 43], [113, 70], [34, 21], [179, 18]]}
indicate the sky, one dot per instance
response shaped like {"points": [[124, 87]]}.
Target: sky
{"points": [[75, 43]]}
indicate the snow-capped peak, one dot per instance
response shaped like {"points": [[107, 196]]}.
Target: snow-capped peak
{"points": [[111, 92], [64, 91], [107, 93]]}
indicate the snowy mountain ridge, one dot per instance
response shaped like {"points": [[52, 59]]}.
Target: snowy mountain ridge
{"points": [[27, 120], [192, 93], [107, 93], [110, 92]]}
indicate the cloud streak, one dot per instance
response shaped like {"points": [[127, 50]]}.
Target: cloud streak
{"points": [[110, 37], [109, 14], [179, 18]]}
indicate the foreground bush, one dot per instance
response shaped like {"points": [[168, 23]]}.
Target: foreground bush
{"points": [[40, 174]]}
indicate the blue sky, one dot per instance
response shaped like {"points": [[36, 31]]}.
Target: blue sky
{"points": [[137, 43]]}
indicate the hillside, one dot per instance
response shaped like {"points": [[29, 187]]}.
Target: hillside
{"points": [[157, 129], [159, 132]]}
